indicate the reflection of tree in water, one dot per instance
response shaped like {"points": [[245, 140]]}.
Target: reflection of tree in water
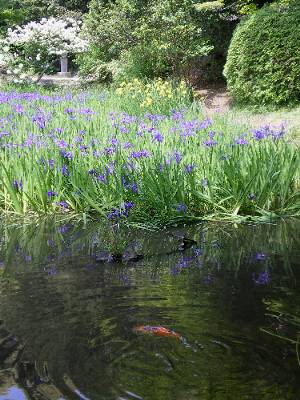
{"points": [[78, 315]]}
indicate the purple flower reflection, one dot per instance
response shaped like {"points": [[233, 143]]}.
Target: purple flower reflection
{"points": [[260, 256], [52, 271], [263, 278], [208, 279]]}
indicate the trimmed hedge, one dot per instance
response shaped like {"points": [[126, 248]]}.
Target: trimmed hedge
{"points": [[263, 63]]}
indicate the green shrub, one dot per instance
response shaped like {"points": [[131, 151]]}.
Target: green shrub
{"points": [[143, 38], [217, 27], [263, 64]]}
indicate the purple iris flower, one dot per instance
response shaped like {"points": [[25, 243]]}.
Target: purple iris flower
{"points": [[101, 178], [61, 144], [189, 168], [251, 196], [62, 204], [205, 124], [86, 111], [109, 151], [4, 133], [114, 142], [114, 214], [50, 193], [51, 163], [181, 208], [157, 137], [127, 145], [66, 154], [177, 156], [64, 170], [17, 184], [68, 110], [39, 120], [127, 206], [241, 141], [211, 142], [19, 109], [177, 115], [140, 154], [63, 228]]}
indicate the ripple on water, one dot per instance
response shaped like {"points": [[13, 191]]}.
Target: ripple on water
{"points": [[76, 316]]}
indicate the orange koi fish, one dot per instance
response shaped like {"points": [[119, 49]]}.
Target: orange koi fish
{"points": [[157, 331]]}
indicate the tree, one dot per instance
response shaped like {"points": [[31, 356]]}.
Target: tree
{"points": [[32, 48], [18, 12], [142, 38]]}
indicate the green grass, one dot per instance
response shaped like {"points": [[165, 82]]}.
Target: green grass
{"points": [[227, 181], [256, 118]]}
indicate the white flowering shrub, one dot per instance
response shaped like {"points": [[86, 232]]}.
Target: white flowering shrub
{"points": [[33, 48]]}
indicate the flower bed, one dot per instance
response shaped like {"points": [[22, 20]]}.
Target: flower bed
{"points": [[81, 153]]}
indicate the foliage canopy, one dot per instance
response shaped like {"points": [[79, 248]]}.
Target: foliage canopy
{"points": [[142, 38]]}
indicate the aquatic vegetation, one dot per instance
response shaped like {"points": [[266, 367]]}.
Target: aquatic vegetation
{"points": [[81, 154]]}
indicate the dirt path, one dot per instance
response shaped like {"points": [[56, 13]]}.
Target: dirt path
{"points": [[217, 100]]}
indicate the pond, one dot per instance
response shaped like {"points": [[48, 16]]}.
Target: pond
{"points": [[77, 303]]}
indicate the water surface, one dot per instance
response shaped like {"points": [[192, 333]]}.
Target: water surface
{"points": [[68, 316]]}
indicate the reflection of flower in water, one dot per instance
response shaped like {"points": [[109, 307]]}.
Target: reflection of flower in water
{"points": [[51, 271], [186, 262], [260, 256], [124, 279], [27, 258], [50, 242], [208, 279], [175, 270], [263, 278], [2, 264], [89, 267], [198, 252]]}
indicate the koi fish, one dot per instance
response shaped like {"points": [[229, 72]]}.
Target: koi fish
{"points": [[157, 331]]}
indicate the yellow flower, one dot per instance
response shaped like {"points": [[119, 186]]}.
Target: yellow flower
{"points": [[149, 101]]}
